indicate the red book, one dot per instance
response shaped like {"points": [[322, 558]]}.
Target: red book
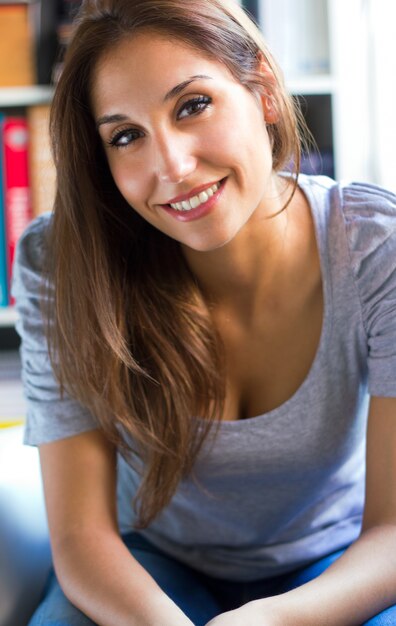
{"points": [[18, 207]]}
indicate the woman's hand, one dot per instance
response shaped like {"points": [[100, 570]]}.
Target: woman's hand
{"points": [[255, 613]]}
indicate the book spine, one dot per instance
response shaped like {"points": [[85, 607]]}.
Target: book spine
{"points": [[43, 17], [16, 46], [41, 165], [18, 208], [3, 256]]}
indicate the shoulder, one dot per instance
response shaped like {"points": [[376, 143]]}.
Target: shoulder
{"points": [[50, 415], [364, 212], [31, 245], [370, 216], [30, 256], [368, 213], [370, 225], [357, 200], [358, 222]]}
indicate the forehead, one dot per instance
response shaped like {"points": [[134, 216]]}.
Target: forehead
{"points": [[150, 64]]}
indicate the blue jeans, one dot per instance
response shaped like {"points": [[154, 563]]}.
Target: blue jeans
{"points": [[201, 597]]}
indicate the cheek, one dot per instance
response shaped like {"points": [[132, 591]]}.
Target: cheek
{"points": [[238, 137], [129, 179]]}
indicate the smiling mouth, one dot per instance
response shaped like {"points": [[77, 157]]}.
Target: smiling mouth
{"points": [[195, 201]]}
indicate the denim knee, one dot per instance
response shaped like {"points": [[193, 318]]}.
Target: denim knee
{"points": [[57, 610], [385, 618]]}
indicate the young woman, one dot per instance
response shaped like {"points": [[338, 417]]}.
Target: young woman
{"points": [[206, 340]]}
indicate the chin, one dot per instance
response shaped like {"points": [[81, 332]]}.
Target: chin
{"points": [[209, 244]]}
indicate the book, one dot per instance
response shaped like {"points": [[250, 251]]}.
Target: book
{"points": [[67, 11], [41, 165], [17, 201], [17, 65], [44, 16], [3, 256]]}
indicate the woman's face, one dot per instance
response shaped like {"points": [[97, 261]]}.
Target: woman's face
{"points": [[186, 143]]}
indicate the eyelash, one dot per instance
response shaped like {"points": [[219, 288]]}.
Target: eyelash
{"points": [[201, 102]]}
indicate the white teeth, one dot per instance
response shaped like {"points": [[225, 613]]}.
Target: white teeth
{"points": [[195, 201]]}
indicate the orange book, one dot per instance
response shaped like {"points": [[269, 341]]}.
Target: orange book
{"points": [[41, 165], [17, 65]]}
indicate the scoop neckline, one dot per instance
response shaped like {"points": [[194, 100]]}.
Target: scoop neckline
{"points": [[314, 204]]}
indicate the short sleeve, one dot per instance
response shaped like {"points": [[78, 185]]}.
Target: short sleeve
{"points": [[49, 417], [370, 214]]}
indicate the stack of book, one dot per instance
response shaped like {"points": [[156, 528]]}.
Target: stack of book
{"points": [[30, 44], [33, 36], [27, 182]]}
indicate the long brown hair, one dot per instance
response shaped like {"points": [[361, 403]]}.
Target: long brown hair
{"points": [[130, 334]]}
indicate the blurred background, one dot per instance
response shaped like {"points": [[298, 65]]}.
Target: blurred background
{"points": [[338, 59]]}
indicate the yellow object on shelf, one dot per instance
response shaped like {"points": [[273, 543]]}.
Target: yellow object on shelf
{"points": [[11, 423]]}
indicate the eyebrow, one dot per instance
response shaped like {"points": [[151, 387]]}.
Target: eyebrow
{"points": [[179, 88], [118, 117]]}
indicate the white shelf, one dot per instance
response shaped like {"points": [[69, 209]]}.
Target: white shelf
{"points": [[8, 316], [25, 96], [331, 37], [311, 84]]}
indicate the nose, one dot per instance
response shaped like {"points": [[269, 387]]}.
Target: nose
{"points": [[174, 159]]}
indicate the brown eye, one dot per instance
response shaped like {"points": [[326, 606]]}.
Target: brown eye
{"points": [[193, 107], [125, 137]]}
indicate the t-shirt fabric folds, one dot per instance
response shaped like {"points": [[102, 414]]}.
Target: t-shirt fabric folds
{"points": [[276, 491]]}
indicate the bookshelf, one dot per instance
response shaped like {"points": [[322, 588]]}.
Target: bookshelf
{"points": [[325, 65], [11, 99], [27, 47]]}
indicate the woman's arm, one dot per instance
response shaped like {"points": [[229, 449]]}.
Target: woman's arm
{"points": [[362, 582], [94, 568]]}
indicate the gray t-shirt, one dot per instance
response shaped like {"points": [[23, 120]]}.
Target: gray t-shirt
{"points": [[279, 490]]}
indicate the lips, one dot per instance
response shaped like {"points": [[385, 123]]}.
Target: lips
{"points": [[192, 193], [203, 208], [195, 201]]}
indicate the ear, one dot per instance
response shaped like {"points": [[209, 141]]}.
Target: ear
{"points": [[268, 101], [271, 114]]}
